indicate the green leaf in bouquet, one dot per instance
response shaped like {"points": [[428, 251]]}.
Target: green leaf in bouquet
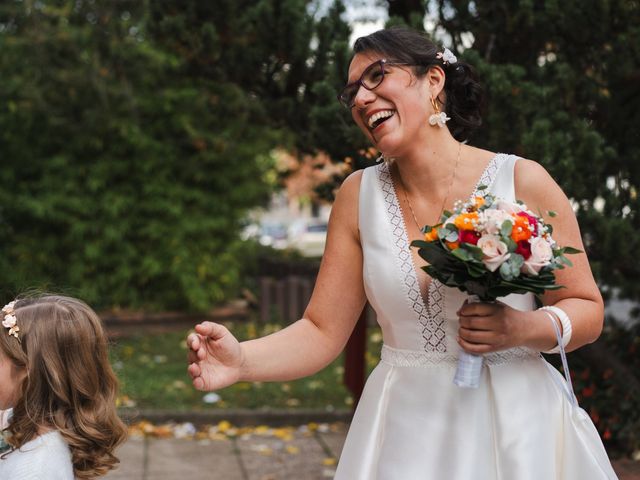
{"points": [[476, 252], [475, 270], [516, 261], [421, 243], [506, 271], [503, 290], [482, 187], [511, 268], [506, 228], [434, 253], [564, 260], [549, 228], [511, 245], [571, 250], [452, 236], [445, 215], [462, 254], [435, 273], [477, 288], [552, 214]]}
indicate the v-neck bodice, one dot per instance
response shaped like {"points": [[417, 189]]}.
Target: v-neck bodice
{"points": [[410, 321]]}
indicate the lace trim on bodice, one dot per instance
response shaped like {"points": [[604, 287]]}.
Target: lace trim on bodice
{"points": [[430, 314], [488, 176], [409, 358], [431, 319]]}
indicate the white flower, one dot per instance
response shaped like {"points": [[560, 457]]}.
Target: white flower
{"points": [[541, 255], [492, 219], [8, 308], [439, 118], [509, 207], [9, 321], [495, 251], [447, 57]]}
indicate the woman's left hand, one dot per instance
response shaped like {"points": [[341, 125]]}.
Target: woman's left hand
{"points": [[489, 327]]}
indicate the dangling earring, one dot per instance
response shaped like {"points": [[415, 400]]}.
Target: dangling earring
{"points": [[438, 118], [386, 160]]}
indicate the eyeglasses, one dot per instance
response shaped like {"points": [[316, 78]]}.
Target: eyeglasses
{"points": [[370, 79]]}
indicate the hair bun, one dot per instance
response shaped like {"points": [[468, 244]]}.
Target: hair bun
{"points": [[464, 100]]}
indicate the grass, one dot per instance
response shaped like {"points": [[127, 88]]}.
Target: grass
{"points": [[152, 373]]}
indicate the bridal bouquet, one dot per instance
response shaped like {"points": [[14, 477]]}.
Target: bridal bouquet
{"points": [[490, 248]]}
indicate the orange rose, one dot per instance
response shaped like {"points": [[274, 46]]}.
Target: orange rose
{"points": [[479, 201], [452, 245], [431, 235], [520, 229], [465, 221]]}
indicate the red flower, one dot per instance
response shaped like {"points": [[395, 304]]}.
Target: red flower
{"points": [[468, 236], [524, 248]]}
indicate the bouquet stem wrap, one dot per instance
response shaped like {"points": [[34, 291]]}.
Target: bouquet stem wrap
{"points": [[469, 367]]}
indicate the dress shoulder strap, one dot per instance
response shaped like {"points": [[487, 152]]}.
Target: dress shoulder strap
{"points": [[498, 176]]}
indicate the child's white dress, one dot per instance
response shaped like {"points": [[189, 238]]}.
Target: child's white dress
{"points": [[46, 457], [412, 422]]}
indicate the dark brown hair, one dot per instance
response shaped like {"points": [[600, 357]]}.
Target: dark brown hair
{"points": [[69, 384], [463, 93]]}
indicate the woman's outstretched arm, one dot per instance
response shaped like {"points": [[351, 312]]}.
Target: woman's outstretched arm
{"points": [[217, 359]]}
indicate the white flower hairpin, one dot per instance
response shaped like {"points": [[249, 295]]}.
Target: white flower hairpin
{"points": [[447, 57], [9, 321]]}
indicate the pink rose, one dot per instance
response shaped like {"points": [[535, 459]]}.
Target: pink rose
{"points": [[494, 251], [509, 207], [541, 255], [492, 220]]}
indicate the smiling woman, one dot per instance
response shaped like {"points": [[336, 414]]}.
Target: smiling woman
{"points": [[418, 104]]}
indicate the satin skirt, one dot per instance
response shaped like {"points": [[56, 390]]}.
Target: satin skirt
{"points": [[413, 423]]}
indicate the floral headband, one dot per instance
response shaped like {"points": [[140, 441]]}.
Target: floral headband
{"points": [[9, 321], [447, 57]]}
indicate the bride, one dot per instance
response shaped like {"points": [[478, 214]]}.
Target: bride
{"points": [[417, 104]]}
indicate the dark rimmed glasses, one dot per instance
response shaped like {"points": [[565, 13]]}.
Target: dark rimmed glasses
{"points": [[370, 79]]}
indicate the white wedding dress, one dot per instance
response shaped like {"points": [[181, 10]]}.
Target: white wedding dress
{"points": [[412, 422]]}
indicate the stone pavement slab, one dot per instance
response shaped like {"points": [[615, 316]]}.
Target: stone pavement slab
{"points": [[265, 454], [273, 459]]}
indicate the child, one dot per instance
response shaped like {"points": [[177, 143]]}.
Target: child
{"points": [[55, 375]]}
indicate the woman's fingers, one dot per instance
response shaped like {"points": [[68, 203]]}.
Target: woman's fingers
{"points": [[194, 370], [482, 337], [479, 323], [193, 341], [475, 348], [212, 330]]}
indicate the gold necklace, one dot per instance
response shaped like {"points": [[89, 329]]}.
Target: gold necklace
{"points": [[444, 201]]}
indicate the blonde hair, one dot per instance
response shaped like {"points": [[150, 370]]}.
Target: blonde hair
{"points": [[69, 385]]}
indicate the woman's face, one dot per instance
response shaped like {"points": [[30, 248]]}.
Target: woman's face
{"points": [[11, 378], [401, 98]]}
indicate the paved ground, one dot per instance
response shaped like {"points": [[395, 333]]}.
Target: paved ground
{"points": [[260, 453], [223, 452]]}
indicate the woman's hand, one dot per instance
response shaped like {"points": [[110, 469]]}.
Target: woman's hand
{"points": [[490, 327], [215, 357]]}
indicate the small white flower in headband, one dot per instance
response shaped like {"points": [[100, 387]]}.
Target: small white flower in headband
{"points": [[447, 57], [10, 320]]}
